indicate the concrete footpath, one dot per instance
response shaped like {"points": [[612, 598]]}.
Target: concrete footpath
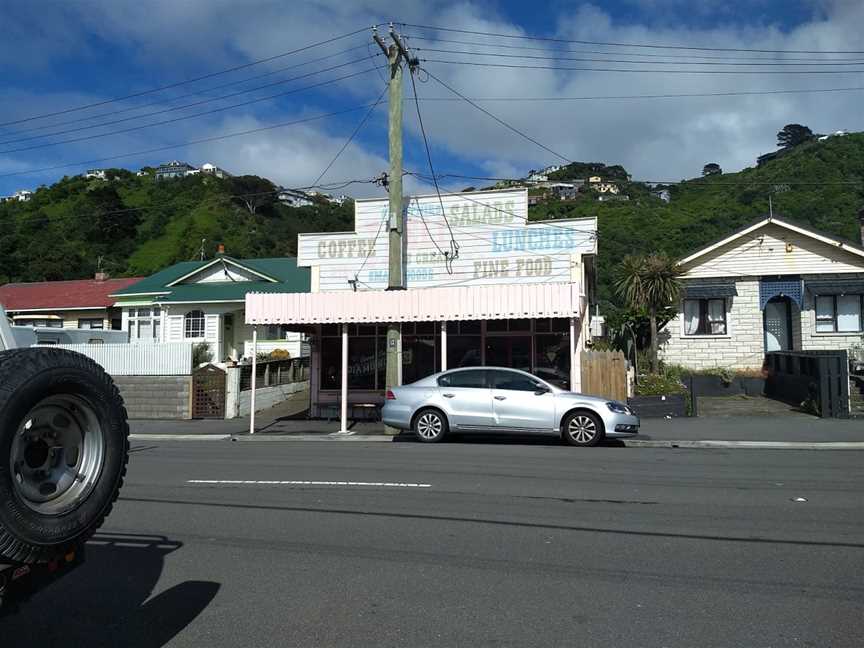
{"points": [[753, 432]]}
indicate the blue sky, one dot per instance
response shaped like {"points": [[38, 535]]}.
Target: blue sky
{"points": [[62, 55]]}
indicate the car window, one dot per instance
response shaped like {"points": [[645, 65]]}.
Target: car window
{"points": [[514, 381], [475, 378]]}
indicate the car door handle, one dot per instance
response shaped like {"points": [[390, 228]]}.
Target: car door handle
{"points": [[500, 398], [448, 395]]}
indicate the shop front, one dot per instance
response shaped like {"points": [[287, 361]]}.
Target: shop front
{"points": [[516, 296]]}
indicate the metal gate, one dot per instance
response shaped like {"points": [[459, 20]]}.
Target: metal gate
{"points": [[208, 393]]}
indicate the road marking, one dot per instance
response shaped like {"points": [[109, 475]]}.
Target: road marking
{"points": [[300, 482]]}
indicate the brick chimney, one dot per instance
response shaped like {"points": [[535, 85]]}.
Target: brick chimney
{"points": [[101, 275]]}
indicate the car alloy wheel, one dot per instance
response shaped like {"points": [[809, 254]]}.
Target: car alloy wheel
{"points": [[429, 426], [582, 429]]}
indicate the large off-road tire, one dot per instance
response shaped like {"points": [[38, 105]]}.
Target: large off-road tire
{"points": [[64, 444]]}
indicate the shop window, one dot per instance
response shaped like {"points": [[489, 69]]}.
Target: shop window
{"points": [[496, 326], [367, 357], [420, 357], [464, 351], [552, 358]]}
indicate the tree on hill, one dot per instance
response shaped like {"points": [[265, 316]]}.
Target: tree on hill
{"points": [[253, 192], [651, 284], [712, 168], [793, 134]]}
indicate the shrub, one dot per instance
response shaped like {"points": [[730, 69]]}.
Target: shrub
{"points": [[659, 385], [201, 354]]}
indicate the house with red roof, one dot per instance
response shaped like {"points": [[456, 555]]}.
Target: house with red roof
{"points": [[82, 303]]}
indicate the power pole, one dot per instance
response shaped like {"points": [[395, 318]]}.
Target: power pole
{"points": [[396, 55]]}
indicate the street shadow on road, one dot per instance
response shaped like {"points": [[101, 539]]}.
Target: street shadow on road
{"points": [[505, 439], [107, 600]]}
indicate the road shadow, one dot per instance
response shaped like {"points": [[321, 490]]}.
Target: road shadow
{"points": [[107, 600], [504, 439]]}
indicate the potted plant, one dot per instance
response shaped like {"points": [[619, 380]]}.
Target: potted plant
{"points": [[660, 395]]}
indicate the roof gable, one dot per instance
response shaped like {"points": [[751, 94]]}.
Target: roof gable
{"points": [[774, 246], [223, 268], [177, 283]]}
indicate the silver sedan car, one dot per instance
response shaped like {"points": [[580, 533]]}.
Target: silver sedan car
{"points": [[494, 399]]}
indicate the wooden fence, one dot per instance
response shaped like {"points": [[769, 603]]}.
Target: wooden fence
{"points": [[604, 374]]}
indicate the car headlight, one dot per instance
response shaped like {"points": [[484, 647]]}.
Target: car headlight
{"points": [[618, 408]]}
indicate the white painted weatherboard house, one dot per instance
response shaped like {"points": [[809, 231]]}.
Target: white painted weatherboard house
{"points": [[771, 286]]}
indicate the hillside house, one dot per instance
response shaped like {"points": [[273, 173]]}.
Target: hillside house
{"points": [[771, 286], [174, 169], [212, 169]]}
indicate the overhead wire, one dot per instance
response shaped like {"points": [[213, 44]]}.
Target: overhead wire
{"points": [[193, 115], [186, 81], [633, 45], [499, 45], [162, 102], [632, 61], [203, 140], [352, 135], [498, 119], [635, 71], [454, 245]]}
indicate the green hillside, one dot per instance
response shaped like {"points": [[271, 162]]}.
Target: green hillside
{"points": [[139, 226], [705, 209]]}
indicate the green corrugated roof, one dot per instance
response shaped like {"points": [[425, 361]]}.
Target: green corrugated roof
{"points": [[289, 279]]}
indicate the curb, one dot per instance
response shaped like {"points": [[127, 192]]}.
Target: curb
{"points": [[749, 445], [630, 443]]}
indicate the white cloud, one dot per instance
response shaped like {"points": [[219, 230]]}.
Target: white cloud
{"points": [[654, 139]]}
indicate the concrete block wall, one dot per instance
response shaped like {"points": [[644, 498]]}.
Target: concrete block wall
{"points": [[743, 347], [156, 397]]}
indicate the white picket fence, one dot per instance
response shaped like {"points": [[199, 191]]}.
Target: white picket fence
{"points": [[167, 359]]}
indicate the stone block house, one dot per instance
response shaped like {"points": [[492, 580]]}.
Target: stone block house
{"points": [[771, 286]]}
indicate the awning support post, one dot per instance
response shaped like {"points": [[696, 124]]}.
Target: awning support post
{"points": [[343, 414], [443, 346], [575, 382], [254, 372]]}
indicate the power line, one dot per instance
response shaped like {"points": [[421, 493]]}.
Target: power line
{"points": [[498, 119], [637, 62], [201, 92], [634, 45], [352, 136], [187, 81], [454, 246], [736, 93], [633, 71], [189, 143], [639, 54], [706, 181], [185, 117]]}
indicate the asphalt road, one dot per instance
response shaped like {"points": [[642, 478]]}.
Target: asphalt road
{"points": [[470, 544]]}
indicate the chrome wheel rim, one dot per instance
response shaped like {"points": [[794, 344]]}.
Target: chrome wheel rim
{"points": [[582, 429], [57, 454], [429, 425]]}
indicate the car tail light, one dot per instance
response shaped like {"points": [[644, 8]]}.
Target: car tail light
{"points": [[390, 395]]}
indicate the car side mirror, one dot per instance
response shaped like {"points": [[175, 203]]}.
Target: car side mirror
{"points": [[541, 389]]}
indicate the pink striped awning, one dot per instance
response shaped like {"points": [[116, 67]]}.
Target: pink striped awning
{"points": [[427, 304]]}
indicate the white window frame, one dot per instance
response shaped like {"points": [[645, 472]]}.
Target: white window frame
{"points": [[148, 317], [194, 317]]}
